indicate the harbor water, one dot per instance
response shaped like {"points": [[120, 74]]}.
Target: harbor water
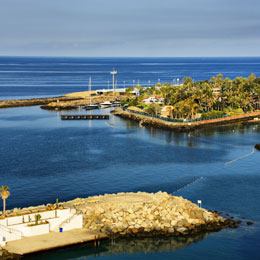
{"points": [[43, 157]]}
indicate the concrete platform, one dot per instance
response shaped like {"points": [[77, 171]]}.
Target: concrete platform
{"points": [[51, 240]]}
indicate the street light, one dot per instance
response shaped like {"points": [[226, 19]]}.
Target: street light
{"points": [[113, 73], [124, 83]]}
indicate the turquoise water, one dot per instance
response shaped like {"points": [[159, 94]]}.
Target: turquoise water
{"points": [[44, 158]]}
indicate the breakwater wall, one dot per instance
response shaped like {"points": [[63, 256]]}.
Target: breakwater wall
{"points": [[184, 126], [34, 101], [145, 214]]}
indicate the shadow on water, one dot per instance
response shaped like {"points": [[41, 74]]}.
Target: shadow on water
{"points": [[121, 246]]}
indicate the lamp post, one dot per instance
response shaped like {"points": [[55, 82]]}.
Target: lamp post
{"points": [[124, 83], [113, 73]]}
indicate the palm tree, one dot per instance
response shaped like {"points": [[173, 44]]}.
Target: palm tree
{"points": [[5, 193]]}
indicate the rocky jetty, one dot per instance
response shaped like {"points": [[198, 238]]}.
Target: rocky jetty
{"points": [[185, 126], [34, 101], [144, 214]]}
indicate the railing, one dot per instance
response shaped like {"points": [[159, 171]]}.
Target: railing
{"points": [[11, 230], [174, 119]]}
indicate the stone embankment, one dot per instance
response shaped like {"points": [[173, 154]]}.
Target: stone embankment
{"points": [[139, 214], [73, 104], [185, 126], [35, 101]]}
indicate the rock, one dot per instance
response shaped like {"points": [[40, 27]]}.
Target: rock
{"points": [[249, 223], [257, 146]]}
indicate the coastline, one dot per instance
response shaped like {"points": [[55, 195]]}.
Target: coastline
{"points": [[185, 126], [130, 214], [65, 102]]}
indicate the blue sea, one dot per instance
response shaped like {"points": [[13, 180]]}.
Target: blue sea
{"points": [[43, 158]]}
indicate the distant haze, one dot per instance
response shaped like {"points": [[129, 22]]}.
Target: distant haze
{"points": [[125, 28]]}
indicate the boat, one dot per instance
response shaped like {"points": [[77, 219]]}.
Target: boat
{"points": [[116, 103], [106, 104], [91, 106]]}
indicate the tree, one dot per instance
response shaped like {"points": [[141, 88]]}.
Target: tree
{"points": [[186, 80], [5, 193], [153, 109]]}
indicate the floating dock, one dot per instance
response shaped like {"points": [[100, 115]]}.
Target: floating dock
{"points": [[84, 117], [52, 240]]}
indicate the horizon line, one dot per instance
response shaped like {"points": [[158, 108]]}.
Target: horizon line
{"points": [[121, 57]]}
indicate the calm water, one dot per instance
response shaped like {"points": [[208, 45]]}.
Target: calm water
{"points": [[43, 158], [20, 77]]}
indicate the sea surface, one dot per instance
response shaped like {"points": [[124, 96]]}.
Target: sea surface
{"points": [[43, 158], [31, 76]]}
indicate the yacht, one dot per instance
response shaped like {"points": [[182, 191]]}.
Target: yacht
{"points": [[91, 106], [116, 103], [106, 104]]}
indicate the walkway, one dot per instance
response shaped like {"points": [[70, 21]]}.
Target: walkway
{"points": [[51, 240]]}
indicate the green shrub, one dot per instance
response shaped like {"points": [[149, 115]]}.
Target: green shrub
{"points": [[211, 114]]}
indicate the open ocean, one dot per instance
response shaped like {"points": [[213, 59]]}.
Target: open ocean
{"points": [[43, 158]]}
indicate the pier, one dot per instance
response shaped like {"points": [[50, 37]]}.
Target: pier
{"points": [[84, 117], [53, 240]]}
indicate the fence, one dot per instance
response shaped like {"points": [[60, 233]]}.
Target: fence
{"points": [[174, 119]]}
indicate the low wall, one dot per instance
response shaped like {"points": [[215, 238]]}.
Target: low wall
{"points": [[9, 221], [75, 222]]}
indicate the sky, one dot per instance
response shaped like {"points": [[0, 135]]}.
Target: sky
{"points": [[130, 28]]}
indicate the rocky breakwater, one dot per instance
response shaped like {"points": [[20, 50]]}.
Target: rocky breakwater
{"points": [[139, 214], [33, 101]]}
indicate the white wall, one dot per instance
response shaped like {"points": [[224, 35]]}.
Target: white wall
{"points": [[19, 225], [8, 236], [44, 215], [75, 222]]}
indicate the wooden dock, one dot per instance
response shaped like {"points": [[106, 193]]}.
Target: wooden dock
{"points": [[52, 240], [84, 117]]}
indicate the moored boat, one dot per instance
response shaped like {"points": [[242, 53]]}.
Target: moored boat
{"points": [[106, 104]]}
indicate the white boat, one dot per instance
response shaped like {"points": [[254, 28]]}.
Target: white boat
{"points": [[116, 103], [91, 106], [106, 104]]}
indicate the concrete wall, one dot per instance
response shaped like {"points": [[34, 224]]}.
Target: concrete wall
{"points": [[7, 236], [14, 228], [25, 218], [75, 222]]}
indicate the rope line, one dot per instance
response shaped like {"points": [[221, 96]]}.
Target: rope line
{"points": [[214, 142], [186, 185], [242, 157]]}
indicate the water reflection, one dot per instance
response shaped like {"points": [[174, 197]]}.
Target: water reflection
{"points": [[122, 246]]}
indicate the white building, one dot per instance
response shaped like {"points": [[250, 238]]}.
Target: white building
{"points": [[14, 228]]}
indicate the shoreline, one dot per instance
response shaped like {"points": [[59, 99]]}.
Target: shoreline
{"points": [[65, 102], [130, 214], [186, 126], [34, 101]]}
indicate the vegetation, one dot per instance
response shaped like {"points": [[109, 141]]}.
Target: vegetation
{"points": [[216, 97], [153, 109], [37, 218], [5, 193]]}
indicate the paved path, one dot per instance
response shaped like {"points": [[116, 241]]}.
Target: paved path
{"points": [[51, 240]]}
